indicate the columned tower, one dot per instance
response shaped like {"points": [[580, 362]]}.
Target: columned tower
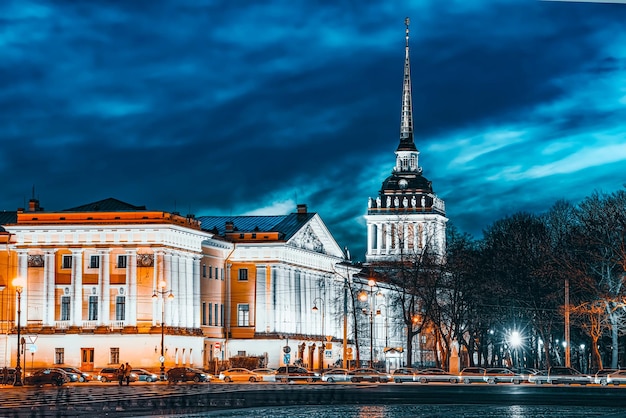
{"points": [[406, 217]]}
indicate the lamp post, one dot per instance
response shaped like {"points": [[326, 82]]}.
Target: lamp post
{"points": [[161, 292], [364, 297], [315, 309], [18, 283], [379, 313]]}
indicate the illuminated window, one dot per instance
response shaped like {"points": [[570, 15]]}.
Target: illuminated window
{"points": [[67, 261], [65, 308], [93, 308], [115, 355], [94, 262], [120, 308], [59, 356], [243, 316]]}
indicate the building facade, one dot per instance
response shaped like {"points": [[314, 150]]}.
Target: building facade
{"points": [[109, 282]]}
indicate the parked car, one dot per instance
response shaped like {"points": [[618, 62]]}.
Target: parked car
{"points": [[618, 377], [403, 374], [472, 374], [525, 372], [600, 376], [266, 374], [109, 374], [435, 375], [46, 377], [336, 375], [81, 376], [495, 375], [296, 374], [368, 375], [69, 375], [560, 374], [187, 374], [145, 376], [238, 374]]}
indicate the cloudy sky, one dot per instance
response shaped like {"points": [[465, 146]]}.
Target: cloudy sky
{"points": [[248, 107]]}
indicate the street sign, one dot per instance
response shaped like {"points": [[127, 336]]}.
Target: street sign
{"points": [[286, 358], [217, 346]]}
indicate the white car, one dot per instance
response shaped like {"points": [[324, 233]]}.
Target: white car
{"points": [[266, 374], [617, 377], [336, 375]]}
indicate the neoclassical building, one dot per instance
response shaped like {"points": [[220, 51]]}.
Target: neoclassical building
{"points": [[109, 282]]}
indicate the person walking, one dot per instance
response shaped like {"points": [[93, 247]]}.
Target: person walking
{"points": [[127, 370], [121, 372]]}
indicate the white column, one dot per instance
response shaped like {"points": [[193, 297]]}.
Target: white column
{"points": [[49, 290], [131, 270], [104, 280], [77, 281], [22, 272], [379, 237], [193, 305]]}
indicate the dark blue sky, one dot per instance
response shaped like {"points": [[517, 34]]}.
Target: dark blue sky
{"points": [[238, 108]]}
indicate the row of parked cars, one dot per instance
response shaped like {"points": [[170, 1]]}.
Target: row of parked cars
{"points": [[554, 375]]}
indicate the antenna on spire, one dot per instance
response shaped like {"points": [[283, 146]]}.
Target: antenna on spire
{"points": [[407, 22]]}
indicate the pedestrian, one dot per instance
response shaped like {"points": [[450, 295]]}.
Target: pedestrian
{"points": [[127, 370], [121, 372], [5, 376]]}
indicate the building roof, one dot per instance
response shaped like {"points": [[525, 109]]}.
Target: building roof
{"points": [[8, 217], [285, 225], [106, 205]]}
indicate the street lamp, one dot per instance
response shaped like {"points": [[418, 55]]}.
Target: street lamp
{"points": [[315, 309], [18, 283], [364, 297], [161, 292]]}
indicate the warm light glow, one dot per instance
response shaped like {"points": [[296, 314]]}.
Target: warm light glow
{"points": [[315, 309], [18, 283], [162, 284], [371, 282], [363, 296]]}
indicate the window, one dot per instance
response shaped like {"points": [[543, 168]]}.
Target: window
{"points": [[59, 355], [222, 316], [93, 308], [241, 353], [120, 308], [94, 262], [121, 261], [67, 261], [217, 273], [204, 270], [203, 313], [115, 355], [243, 315], [243, 275], [210, 272], [222, 274], [65, 308], [211, 314], [216, 314]]}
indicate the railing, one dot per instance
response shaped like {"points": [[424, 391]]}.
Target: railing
{"points": [[117, 324], [62, 324], [89, 324]]}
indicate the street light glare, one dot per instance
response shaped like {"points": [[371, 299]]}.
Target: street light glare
{"points": [[516, 339]]}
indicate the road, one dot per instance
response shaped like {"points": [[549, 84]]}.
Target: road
{"points": [[79, 399]]}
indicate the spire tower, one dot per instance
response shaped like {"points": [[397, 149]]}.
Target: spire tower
{"points": [[406, 217], [406, 121]]}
